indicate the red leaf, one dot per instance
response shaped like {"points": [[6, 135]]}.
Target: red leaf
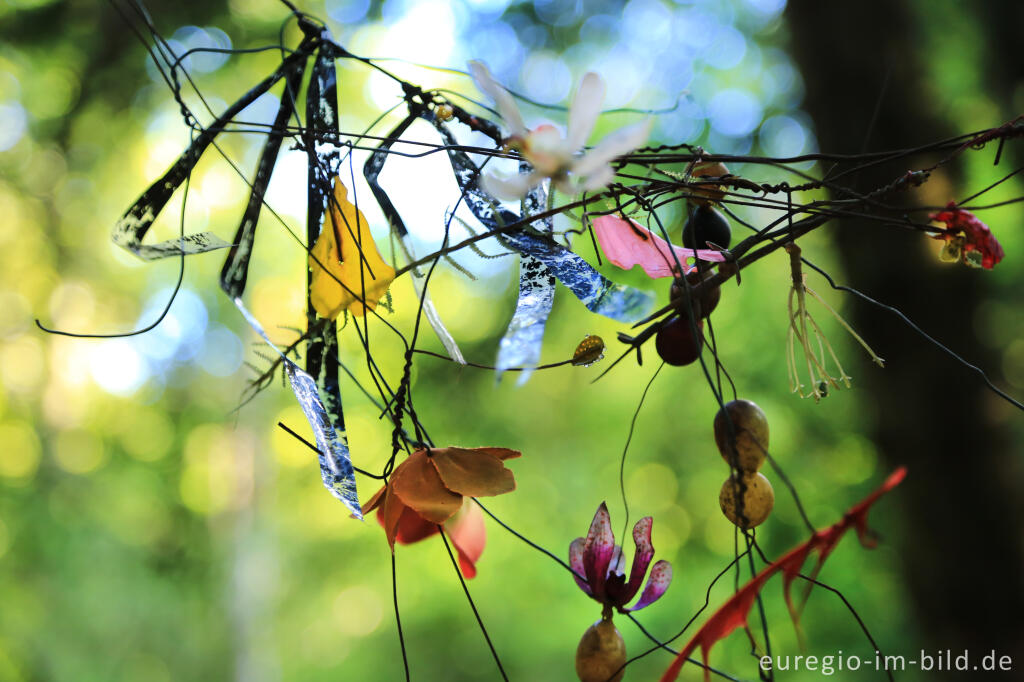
{"points": [[734, 612]]}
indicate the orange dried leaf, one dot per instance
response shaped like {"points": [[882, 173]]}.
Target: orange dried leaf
{"points": [[374, 501], [501, 453], [417, 483], [474, 472], [346, 278], [390, 514]]}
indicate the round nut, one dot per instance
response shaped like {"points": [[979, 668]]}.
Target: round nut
{"points": [[757, 496]]}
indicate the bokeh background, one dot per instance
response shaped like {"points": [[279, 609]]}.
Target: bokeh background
{"points": [[151, 531]]}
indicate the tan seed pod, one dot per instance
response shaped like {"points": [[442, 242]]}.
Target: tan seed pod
{"points": [[708, 194], [750, 427], [601, 652], [758, 499], [445, 112]]}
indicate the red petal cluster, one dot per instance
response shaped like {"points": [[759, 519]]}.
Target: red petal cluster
{"points": [[966, 232]]}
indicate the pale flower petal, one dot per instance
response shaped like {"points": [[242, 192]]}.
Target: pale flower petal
{"points": [[547, 151], [599, 179], [509, 187], [622, 141], [506, 104], [564, 184], [583, 112]]}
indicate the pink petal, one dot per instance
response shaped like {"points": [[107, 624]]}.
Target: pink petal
{"points": [[576, 563], [469, 535], [661, 576], [642, 557], [585, 107], [627, 246], [598, 551]]}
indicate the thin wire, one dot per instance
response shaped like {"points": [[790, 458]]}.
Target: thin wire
{"points": [[398, 618], [469, 598], [625, 449]]}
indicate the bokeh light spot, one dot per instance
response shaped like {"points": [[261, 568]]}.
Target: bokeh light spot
{"points": [[148, 435], [13, 124], [734, 112], [358, 610], [78, 451], [655, 485], [21, 450], [117, 367]]}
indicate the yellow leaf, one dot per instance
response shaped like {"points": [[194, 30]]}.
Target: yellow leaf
{"points": [[355, 276]]}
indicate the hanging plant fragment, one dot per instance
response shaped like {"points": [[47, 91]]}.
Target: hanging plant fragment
{"points": [[431, 488], [521, 344], [627, 244], [599, 566], [733, 614], [968, 240], [802, 326], [350, 275]]}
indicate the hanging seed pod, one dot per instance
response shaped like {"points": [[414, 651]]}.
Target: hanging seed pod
{"points": [[590, 350], [601, 652], [703, 304], [758, 499], [705, 194], [676, 344], [705, 225], [750, 428], [445, 112]]}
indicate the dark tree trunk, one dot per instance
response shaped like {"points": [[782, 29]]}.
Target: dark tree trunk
{"points": [[961, 545]]}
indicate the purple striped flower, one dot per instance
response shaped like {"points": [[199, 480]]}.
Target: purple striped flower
{"points": [[599, 565]]}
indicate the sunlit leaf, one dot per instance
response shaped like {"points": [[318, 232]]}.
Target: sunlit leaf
{"points": [[350, 274]]}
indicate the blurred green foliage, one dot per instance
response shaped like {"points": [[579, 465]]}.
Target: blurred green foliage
{"points": [[161, 535]]}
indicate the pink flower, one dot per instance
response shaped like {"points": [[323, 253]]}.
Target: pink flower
{"points": [[553, 155], [965, 234], [598, 559]]}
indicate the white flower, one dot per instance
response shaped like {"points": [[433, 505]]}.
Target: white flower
{"points": [[550, 154]]}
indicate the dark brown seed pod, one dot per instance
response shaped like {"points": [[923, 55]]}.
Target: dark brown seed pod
{"points": [[703, 304], [676, 344], [705, 225], [750, 427], [601, 652]]}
